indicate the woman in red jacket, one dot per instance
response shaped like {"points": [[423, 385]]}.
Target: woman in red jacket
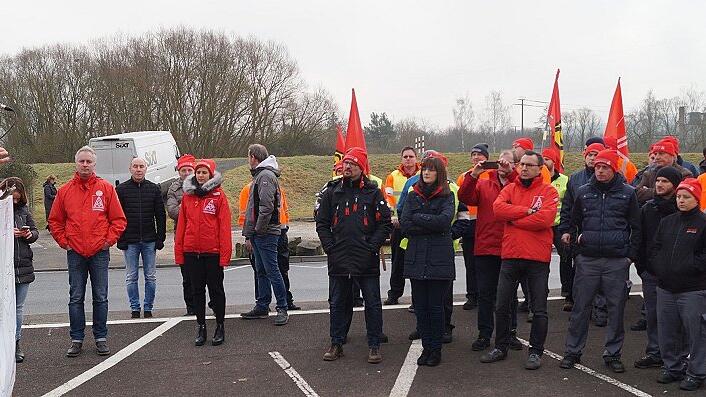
{"points": [[205, 210]]}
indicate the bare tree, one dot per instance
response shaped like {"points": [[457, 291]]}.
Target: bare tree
{"points": [[463, 118], [496, 118]]}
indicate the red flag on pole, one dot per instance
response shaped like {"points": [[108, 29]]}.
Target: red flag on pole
{"points": [[354, 135], [556, 141], [615, 127], [340, 145]]}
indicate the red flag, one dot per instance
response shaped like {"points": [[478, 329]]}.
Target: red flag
{"points": [[554, 120], [340, 145], [615, 127], [354, 135]]}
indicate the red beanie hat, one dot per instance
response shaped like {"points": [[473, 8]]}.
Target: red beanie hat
{"points": [[208, 163], [611, 142], [674, 141], [525, 143], [664, 147], [594, 147], [691, 185], [358, 156], [552, 155], [436, 155], [608, 157], [186, 160]]}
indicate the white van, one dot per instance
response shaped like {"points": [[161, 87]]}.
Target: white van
{"points": [[115, 152]]}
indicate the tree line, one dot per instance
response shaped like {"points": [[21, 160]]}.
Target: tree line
{"points": [[216, 93]]}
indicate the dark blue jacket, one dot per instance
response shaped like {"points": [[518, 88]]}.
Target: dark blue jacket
{"points": [[576, 180], [607, 218], [695, 172], [427, 225]]}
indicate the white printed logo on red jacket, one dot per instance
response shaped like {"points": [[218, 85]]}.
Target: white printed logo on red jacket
{"points": [[98, 204], [537, 202], [210, 207]]}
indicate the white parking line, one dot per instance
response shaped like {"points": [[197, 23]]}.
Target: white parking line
{"points": [[235, 268], [114, 359], [237, 315], [408, 371], [630, 389], [298, 380]]}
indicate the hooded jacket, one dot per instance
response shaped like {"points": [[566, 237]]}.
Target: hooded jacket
{"points": [[679, 253], [204, 221], [24, 271], [482, 193], [262, 214], [86, 215], [607, 217], [650, 215], [353, 221], [527, 236], [144, 209]]}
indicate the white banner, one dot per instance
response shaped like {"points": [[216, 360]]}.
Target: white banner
{"points": [[7, 298]]}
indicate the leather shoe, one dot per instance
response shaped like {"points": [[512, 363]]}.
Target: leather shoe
{"points": [[218, 336], [200, 335]]}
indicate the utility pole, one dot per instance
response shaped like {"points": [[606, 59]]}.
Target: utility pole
{"points": [[522, 114]]}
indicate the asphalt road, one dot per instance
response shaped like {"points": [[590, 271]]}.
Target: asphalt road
{"points": [[49, 293]]}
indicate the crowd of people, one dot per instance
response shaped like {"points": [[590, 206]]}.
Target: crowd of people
{"points": [[506, 216]]}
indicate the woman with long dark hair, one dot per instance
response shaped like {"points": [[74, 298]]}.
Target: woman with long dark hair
{"points": [[26, 233], [429, 258]]}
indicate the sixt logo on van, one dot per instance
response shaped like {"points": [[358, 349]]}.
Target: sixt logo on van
{"points": [[122, 145]]}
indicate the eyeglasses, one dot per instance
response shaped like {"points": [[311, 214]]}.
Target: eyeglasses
{"points": [[528, 165], [408, 157]]}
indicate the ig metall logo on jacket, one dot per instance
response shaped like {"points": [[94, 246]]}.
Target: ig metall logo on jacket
{"points": [[210, 207], [98, 203]]}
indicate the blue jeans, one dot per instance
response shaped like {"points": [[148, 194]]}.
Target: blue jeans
{"points": [[341, 307], [20, 296], [79, 269], [132, 264], [265, 252]]}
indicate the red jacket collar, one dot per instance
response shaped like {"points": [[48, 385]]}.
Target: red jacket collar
{"points": [[400, 168]]}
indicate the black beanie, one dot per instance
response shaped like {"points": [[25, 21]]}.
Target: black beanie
{"points": [[672, 174], [481, 148], [594, 139]]}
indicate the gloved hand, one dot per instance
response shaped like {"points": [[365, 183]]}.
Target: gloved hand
{"points": [[159, 245]]}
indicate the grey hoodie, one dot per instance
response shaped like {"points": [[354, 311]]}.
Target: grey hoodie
{"points": [[262, 213]]}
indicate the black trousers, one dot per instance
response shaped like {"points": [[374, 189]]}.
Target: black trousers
{"points": [[429, 301], [397, 266], [186, 285], [203, 271], [469, 260], [282, 263], [566, 267], [537, 276]]}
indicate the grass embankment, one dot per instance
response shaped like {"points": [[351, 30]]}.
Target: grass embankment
{"points": [[303, 176]]}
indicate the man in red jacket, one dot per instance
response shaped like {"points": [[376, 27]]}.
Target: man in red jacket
{"points": [[528, 209], [86, 220], [479, 192]]}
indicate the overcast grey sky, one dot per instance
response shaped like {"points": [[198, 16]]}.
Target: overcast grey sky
{"points": [[413, 58]]}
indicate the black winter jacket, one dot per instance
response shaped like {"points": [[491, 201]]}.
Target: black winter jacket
{"points": [[353, 222], [650, 215], [679, 253], [24, 271], [144, 209], [576, 180], [49, 196], [427, 225], [607, 219]]}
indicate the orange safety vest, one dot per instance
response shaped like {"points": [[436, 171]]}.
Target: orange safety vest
{"points": [[243, 205]]}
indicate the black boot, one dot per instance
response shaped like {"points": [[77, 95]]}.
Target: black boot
{"points": [[434, 358], [19, 356], [201, 335], [218, 336]]}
